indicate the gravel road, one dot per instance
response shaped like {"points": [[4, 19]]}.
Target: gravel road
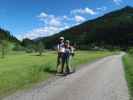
{"points": [[101, 80]]}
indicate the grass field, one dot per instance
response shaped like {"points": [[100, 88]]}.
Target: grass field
{"points": [[20, 69], [128, 62]]}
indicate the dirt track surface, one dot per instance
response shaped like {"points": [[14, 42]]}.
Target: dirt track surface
{"points": [[101, 80]]}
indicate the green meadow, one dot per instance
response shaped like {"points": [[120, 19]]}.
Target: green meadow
{"points": [[128, 62], [19, 69]]}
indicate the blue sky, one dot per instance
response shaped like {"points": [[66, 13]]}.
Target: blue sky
{"points": [[37, 18]]}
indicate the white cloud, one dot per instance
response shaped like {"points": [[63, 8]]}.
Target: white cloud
{"points": [[89, 11], [51, 20], [41, 32], [65, 17], [43, 15], [53, 24], [117, 2], [79, 19], [83, 11], [102, 8]]}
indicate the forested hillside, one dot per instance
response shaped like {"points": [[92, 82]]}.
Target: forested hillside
{"points": [[5, 35], [112, 30]]}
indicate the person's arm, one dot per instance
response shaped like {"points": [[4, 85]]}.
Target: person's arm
{"points": [[58, 48], [72, 50]]}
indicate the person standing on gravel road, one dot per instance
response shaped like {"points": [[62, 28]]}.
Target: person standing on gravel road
{"points": [[60, 51], [66, 58]]}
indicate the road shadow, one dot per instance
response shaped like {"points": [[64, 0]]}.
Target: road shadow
{"points": [[48, 70], [54, 72], [38, 55]]}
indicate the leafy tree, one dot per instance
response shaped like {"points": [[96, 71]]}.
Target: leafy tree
{"points": [[40, 48], [130, 51], [4, 47], [18, 47], [28, 44]]}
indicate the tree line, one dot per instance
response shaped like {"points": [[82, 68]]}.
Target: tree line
{"points": [[9, 42], [111, 31]]}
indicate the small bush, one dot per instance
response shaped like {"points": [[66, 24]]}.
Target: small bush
{"points": [[28, 50], [49, 68], [130, 51]]}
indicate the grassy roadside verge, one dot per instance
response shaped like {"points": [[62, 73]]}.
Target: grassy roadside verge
{"points": [[19, 70], [128, 63]]}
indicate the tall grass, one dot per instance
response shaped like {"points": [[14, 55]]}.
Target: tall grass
{"points": [[128, 62]]}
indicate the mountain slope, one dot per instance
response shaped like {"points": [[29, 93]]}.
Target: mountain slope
{"points": [[5, 35], [112, 29]]}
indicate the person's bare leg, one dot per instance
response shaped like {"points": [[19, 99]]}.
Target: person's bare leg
{"points": [[67, 66], [62, 65], [58, 64]]}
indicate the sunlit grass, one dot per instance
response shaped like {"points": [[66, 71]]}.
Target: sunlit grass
{"points": [[20, 69], [128, 62]]}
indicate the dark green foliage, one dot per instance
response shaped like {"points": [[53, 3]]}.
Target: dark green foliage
{"points": [[6, 39], [33, 46], [5, 35], [113, 30], [26, 42], [128, 66], [29, 45], [3, 48], [40, 48], [18, 47], [130, 51]]}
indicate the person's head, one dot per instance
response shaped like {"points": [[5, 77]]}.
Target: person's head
{"points": [[61, 39], [67, 43]]}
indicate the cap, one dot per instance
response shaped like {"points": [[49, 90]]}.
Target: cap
{"points": [[61, 38]]}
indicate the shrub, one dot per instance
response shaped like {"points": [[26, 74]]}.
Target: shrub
{"points": [[130, 51]]}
